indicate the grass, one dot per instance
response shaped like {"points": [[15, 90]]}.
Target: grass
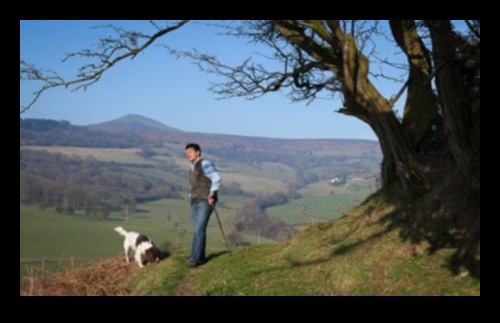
{"points": [[299, 211], [54, 241], [359, 254], [342, 257], [305, 210]]}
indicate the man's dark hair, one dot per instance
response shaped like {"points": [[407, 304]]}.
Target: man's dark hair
{"points": [[196, 147]]}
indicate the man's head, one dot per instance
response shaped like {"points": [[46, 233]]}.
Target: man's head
{"points": [[193, 152]]}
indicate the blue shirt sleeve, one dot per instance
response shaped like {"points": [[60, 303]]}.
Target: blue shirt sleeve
{"points": [[211, 172]]}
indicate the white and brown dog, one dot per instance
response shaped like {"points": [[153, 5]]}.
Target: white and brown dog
{"points": [[144, 248]]}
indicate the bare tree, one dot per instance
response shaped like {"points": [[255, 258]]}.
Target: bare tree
{"points": [[329, 56], [318, 57]]}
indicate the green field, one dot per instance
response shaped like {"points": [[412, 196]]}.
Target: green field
{"points": [[358, 189], [54, 240], [308, 209]]}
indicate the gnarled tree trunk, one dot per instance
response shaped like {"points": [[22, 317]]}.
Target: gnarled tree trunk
{"points": [[400, 161], [456, 110], [421, 108], [362, 100]]}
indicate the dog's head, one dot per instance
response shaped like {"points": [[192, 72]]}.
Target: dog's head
{"points": [[152, 255]]}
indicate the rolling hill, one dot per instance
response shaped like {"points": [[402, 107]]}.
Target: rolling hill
{"points": [[133, 122], [83, 178], [99, 171]]}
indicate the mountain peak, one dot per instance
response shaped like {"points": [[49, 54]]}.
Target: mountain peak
{"points": [[135, 122]]}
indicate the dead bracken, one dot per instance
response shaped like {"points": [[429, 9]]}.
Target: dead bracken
{"points": [[104, 278]]}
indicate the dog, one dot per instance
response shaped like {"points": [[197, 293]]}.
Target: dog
{"points": [[144, 248]]}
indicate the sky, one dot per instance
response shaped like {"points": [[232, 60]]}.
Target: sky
{"points": [[172, 91]]}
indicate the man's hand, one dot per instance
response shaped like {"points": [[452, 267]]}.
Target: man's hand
{"points": [[211, 199]]}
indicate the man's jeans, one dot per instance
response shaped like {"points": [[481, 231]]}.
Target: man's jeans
{"points": [[200, 213]]}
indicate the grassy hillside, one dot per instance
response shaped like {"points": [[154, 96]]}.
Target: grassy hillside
{"points": [[363, 253], [350, 256]]}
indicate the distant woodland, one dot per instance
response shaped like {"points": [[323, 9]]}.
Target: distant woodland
{"points": [[56, 180]]}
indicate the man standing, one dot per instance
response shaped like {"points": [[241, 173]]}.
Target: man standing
{"points": [[204, 181]]}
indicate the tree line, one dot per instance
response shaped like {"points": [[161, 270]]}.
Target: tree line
{"points": [[253, 220], [72, 182], [298, 160]]}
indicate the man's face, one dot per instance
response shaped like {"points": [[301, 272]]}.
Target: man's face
{"points": [[192, 155]]}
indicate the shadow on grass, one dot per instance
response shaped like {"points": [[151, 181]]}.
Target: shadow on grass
{"points": [[445, 217], [164, 254], [212, 256], [346, 248], [433, 217]]}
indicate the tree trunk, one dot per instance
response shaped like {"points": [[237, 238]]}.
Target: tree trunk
{"points": [[421, 108], [361, 98], [400, 162], [364, 101], [456, 110]]}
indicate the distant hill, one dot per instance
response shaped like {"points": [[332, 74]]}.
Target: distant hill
{"points": [[134, 131], [44, 132], [133, 122]]}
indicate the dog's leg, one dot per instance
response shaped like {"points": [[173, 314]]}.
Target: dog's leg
{"points": [[138, 259], [125, 248]]}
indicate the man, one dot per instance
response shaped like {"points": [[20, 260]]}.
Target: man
{"points": [[204, 181]]}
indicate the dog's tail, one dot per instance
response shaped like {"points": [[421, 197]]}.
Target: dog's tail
{"points": [[121, 231]]}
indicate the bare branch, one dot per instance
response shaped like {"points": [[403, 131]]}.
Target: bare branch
{"points": [[253, 80], [474, 27], [395, 98], [109, 51], [299, 73]]}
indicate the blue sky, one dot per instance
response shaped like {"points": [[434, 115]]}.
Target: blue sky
{"points": [[172, 91]]}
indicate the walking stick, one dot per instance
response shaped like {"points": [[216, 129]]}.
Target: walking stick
{"points": [[222, 230]]}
